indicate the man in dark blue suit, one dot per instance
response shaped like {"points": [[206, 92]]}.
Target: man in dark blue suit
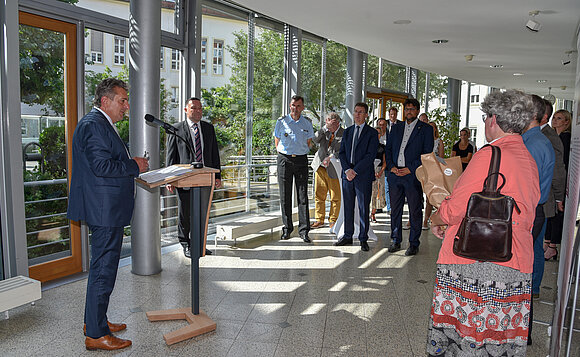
{"points": [[358, 150], [101, 193], [406, 143]]}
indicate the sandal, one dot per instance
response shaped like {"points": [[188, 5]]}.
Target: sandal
{"points": [[550, 253]]}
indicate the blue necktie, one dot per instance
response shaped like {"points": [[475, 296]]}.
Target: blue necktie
{"points": [[355, 141]]}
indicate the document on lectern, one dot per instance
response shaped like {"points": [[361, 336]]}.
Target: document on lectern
{"points": [[164, 173]]}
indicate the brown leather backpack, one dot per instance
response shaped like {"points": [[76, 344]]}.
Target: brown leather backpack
{"points": [[485, 233]]}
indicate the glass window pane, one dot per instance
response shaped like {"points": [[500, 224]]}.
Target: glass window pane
{"points": [[44, 144], [335, 76], [394, 77], [372, 74], [311, 66]]}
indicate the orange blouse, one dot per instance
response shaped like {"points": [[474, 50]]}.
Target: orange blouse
{"points": [[522, 183]]}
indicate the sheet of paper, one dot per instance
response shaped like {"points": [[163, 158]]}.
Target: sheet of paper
{"points": [[163, 173]]}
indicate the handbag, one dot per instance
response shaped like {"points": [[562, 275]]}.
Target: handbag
{"points": [[485, 233]]}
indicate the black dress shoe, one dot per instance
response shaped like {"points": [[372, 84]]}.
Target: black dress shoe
{"points": [[343, 241], [285, 235], [364, 246], [412, 250], [394, 247], [187, 252], [306, 239]]}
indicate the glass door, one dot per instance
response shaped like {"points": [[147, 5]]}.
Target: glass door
{"points": [[48, 98]]}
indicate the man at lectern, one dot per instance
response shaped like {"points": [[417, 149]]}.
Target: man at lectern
{"points": [[102, 194], [202, 138]]}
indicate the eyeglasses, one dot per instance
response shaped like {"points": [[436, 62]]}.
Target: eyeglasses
{"points": [[485, 116], [409, 109]]}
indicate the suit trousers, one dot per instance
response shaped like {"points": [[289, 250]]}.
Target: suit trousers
{"points": [[399, 188], [183, 226], [322, 185], [294, 169], [361, 191], [105, 252]]}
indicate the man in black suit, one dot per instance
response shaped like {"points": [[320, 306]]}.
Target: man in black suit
{"points": [[406, 143], [358, 150], [201, 136]]}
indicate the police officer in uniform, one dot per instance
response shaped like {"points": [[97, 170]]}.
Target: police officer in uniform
{"points": [[292, 135]]}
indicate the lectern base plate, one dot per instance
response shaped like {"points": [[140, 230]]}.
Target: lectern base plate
{"points": [[198, 324]]}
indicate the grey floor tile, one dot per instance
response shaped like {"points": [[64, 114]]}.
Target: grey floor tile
{"points": [[252, 349], [344, 351], [293, 350], [260, 332]]}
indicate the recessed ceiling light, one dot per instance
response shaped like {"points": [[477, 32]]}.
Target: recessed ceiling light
{"points": [[542, 81], [496, 66], [402, 22], [518, 74], [440, 41]]}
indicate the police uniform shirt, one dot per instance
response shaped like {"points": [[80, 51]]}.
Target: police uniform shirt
{"points": [[293, 135], [408, 130]]}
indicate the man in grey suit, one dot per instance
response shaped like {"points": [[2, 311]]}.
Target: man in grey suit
{"points": [[325, 175]]}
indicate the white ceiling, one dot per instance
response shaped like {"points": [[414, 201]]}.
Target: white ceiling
{"points": [[492, 30]]}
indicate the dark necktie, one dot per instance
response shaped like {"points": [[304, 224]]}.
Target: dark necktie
{"points": [[355, 141], [330, 140], [197, 141]]}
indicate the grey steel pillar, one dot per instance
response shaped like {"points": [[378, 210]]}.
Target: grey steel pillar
{"points": [[468, 106], [249, 105], [192, 53], [144, 61], [13, 229], [453, 95], [292, 58], [427, 89], [354, 83], [411, 81]]}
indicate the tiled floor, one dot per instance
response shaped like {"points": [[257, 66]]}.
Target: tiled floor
{"points": [[273, 298]]}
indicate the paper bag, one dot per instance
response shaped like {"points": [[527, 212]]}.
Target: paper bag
{"points": [[437, 176]]}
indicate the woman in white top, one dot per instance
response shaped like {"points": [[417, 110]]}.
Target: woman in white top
{"points": [[439, 152]]}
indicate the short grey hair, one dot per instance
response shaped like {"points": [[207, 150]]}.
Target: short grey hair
{"points": [[107, 89], [333, 116], [513, 109]]}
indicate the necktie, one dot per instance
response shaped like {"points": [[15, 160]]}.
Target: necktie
{"points": [[354, 142], [330, 140], [197, 141]]}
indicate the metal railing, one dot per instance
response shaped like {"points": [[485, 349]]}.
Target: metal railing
{"points": [[229, 201]]}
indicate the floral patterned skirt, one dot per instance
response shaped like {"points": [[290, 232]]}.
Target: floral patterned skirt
{"points": [[479, 309]]}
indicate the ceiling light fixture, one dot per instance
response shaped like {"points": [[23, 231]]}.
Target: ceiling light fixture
{"points": [[550, 97], [440, 41], [542, 81], [496, 66], [532, 24], [518, 74], [402, 22]]}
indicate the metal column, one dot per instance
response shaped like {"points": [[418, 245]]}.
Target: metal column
{"points": [[191, 86], [468, 104], [292, 59], [453, 95], [354, 83], [250, 105], [411, 81], [144, 61], [14, 250]]}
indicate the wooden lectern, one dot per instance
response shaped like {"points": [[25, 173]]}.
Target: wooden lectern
{"points": [[199, 322]]}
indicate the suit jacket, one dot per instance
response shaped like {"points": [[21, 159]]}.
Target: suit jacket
{"points": [[102, 184], [420, 142], [177, 152], [559, 180], [321, 137], [364, 152]]}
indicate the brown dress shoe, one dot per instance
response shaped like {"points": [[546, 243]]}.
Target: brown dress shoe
{"points": [[317, 224], [107, 342], [112, 326]]}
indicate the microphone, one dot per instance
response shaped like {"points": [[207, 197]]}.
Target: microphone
{"points": [[167, 127]]}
